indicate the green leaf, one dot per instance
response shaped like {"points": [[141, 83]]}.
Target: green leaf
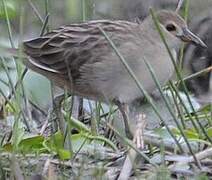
{"points": [[56, 140], [55, 145], [81, 127], [8, 147], [32, 144], [206, 109], [64, 154], [209, 131], [18, 133], [189, 133]]}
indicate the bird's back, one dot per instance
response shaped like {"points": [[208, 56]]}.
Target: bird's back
{"points": [[79, 57], [75, 45]]}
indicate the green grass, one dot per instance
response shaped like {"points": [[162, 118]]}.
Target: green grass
{"points": [[91, 150]]}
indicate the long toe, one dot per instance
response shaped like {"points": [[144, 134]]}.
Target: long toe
{"points": [[140, 126]]}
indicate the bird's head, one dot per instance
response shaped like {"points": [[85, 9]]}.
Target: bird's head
{"points": [[174, 25]]}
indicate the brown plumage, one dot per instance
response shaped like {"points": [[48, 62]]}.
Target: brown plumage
{"points": [[75, 48], [82, 50], [79, 57]]}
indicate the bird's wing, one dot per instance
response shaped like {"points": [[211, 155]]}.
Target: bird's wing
{"points": [[70, 47]]}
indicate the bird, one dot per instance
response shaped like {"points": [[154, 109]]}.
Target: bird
{"points": [[79, 58]]}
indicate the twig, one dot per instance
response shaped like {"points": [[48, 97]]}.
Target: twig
{"points": [[138, 139], [189, 159], [203, 154], [128, 165]]}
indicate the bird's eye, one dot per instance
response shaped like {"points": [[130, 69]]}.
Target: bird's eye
{"points": [[170, 27]]}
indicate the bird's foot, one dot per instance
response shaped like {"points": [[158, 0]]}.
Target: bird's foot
{"points": [[57, 105], [124, 109], [138, 136], [128, 132]]}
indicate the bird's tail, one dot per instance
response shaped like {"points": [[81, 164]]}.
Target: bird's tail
{"points": [[8, 52], [18, 54]]}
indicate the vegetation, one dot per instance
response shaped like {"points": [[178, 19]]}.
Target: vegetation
{"points": [[35, 141]]}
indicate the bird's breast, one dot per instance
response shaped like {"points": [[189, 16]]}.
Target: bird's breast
{"points": [[124, 87]]}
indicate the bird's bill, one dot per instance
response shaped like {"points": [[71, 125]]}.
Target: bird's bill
{"points": [[188, 36]]}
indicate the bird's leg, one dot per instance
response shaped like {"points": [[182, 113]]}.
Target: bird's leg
{"points": [[80, 109], [124, 109], [140, 126], [57, 103], [132, 154]]}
